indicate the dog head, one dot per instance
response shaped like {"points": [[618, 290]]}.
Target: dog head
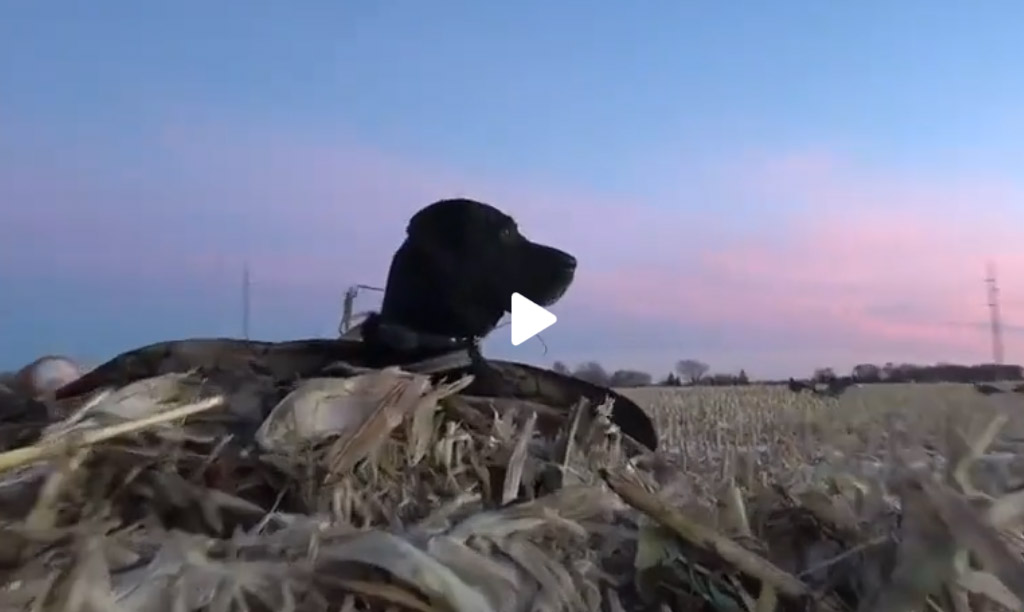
{"points": [[455, 273]]}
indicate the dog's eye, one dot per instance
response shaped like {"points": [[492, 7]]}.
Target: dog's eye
{"points": [[507, 234]]}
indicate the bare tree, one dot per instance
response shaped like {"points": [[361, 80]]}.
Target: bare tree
{"points": [[867, 372], [691, 370], [592, 372], [560, 368], [823, 375], [670, 381], [629, 378]]}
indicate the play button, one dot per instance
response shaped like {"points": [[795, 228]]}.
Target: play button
{"points": [[528, 319]]}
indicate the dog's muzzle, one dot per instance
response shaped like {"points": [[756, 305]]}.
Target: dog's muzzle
{"points": [[548, 274]]}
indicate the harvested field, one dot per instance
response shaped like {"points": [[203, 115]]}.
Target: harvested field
{"points": [[714, 430], [384, 492], [827, 454]]}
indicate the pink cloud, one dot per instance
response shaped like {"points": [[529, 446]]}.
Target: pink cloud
{"points": [[306, 209], [889, 263]]}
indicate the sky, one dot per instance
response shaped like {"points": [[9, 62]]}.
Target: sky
{"points": [[768, 186]]}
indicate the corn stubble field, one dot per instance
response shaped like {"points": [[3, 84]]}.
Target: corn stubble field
{"points": [[892, 498], [758, 434], [846, 465]]}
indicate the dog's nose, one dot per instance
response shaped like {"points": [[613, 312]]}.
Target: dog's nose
{"points": [[568, 261]]}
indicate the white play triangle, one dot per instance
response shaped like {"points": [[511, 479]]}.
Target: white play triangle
{"points": [[528, 319]]}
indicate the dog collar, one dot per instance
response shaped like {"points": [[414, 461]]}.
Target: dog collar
{"points": [[405, 339]]}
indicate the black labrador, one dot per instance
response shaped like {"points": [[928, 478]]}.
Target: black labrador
{"points": [[449, 284], [453, 277], [470, 257]]}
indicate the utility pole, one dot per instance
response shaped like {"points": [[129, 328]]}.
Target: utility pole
{"points": [[994, 316], [245, 300]]}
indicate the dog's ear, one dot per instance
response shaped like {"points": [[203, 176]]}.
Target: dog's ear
{"points": [[443, 222], [421, 224]]}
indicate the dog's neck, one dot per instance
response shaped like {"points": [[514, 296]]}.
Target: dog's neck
{"points": [[403, 340], [396, 344]]}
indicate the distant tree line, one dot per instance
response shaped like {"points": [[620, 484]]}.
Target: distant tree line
{"points": [[688, 372], [940, 372], [693, 372]]}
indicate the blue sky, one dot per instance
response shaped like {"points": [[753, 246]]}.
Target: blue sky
{"points": [[737, 178]]}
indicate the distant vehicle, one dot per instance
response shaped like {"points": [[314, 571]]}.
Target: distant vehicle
{"points": [[799, 386], [987, 389], [833, 387]]}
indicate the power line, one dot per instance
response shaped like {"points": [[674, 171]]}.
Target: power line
{"points": [[994, 315], [245, 300]]}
